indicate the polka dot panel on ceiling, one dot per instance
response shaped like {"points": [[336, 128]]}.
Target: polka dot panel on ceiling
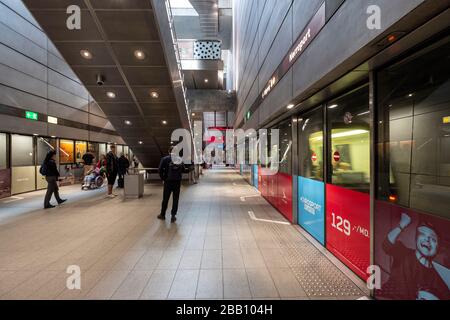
{"points": [[207, 50]]}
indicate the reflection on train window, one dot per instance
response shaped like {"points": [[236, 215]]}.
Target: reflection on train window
{"points": [[414, 131], [80, 150], [44, 145], [3, 151], [101, 150], [66, 151], [310, 137], [285, 148], [22, 151], [349, 124], [93, 148]]}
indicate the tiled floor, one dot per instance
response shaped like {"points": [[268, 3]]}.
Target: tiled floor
{"points": [[214, 251]]}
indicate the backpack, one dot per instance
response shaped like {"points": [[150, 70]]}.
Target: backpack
{"points": [[175, 172], [44, 169]]}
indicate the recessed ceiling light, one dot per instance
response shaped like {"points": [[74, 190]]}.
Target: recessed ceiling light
{"points": [[289, 107], [410, 95], [35, 134], [154, 95], [140, 142], [53, 136], [111, 95], [128, 122], [193, 114], [86, 54], [164, 122], [139, 54], [206, 80], [333, 106]]}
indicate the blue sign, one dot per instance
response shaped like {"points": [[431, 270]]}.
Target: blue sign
{"points": [[255, 175], [311, 207]]}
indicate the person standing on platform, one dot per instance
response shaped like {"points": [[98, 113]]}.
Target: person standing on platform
{"points": [[51, 173], [112, 169], [124, 164], [171, 172]]}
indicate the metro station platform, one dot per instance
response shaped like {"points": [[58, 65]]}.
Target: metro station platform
{"points": [[228, 243]]}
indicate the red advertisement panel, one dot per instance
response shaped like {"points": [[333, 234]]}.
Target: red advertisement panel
{"points": [[284, 195], [412, 250], [348, 227]]}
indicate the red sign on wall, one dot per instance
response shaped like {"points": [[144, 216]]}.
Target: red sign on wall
{"points": [[337, 156], [348, 227]]}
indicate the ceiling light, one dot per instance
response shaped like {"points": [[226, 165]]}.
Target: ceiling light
{"points": [[111, 95], [410, 95], [35, 134], [154, 95], [164, 122], [140, 142], [53, 136], [206, 80], [128, 122], [193, 114], [333, 106], [139, 54], [86, 54], [289, 107]]}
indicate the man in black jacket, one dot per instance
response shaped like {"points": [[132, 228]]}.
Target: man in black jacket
{"points": [[124, 164], [112, 169], [51, 173], [171, 172]]}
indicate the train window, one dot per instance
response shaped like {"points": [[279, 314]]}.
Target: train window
{"points": [[22, 151], [285, 149], [310, 137], [349, 126], [3, 151], [44, 145], [66, 151], [414, 131]]}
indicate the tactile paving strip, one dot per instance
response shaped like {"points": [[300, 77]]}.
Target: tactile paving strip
{"points": [[318, 276]]}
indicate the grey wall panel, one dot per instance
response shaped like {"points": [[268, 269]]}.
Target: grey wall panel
{"points": [[21, 44], [20, 8], [22, 26], [22, 125], [13, 78], [23, 100], [67, 98], [52, 49], [281, 45], [100, 122], [59, 65], [278, 99], [303, 11], [99, 137], [66, 84], [335, 48], [16, 60], [95, 109], [64, 112], [68, 133]]}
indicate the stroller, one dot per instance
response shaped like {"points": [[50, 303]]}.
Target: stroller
{"points": [[93, 180]]}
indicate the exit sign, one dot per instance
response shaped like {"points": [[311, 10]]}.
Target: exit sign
{"points": [[31, 115], [446, 120]]}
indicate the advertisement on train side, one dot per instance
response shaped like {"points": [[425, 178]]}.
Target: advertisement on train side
{"points": [[348, 227], [413, 252], [311, 207]]}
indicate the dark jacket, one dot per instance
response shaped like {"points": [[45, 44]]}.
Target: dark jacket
{"points": [[112, 165], [52, 169], [124, 164], [165, 170]]}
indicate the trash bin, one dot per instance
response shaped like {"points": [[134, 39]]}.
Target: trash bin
{"points": [[134, 186]]}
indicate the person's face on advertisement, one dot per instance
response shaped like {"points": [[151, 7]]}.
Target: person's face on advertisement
{"points": [[427, 242], [425, 295]]}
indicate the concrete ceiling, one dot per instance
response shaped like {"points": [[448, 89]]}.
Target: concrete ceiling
{"points": [[112, 31]]}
